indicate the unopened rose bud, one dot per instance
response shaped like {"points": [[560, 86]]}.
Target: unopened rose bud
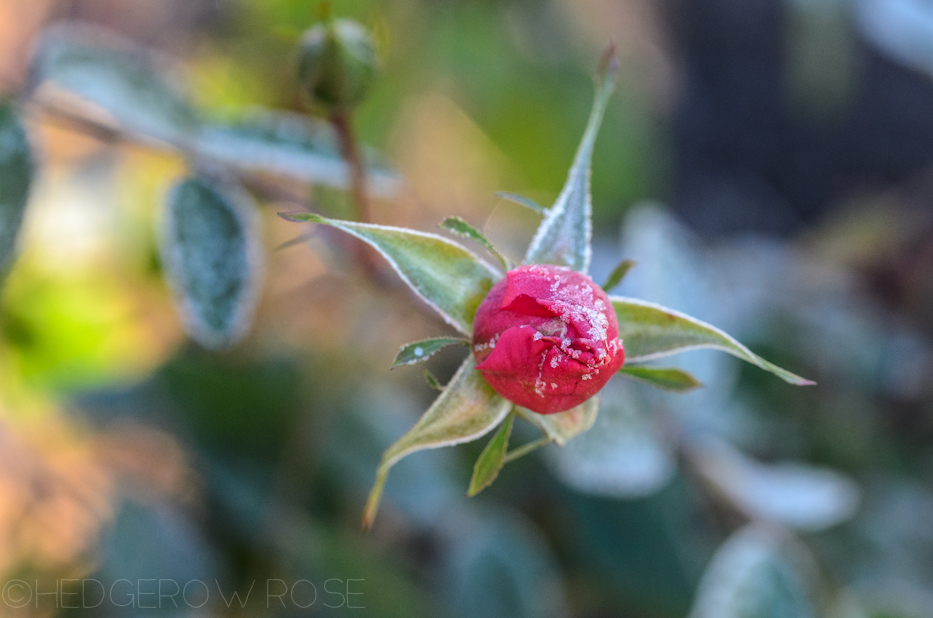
{"points": [[336, 64], [546, 338]]}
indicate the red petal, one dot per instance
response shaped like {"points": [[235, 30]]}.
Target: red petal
{"points": [[526, 305], [517, 352], [532, 281], [533, 372]]}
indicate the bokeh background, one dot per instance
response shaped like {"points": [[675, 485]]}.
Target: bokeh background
{"points": [[767, 163]]}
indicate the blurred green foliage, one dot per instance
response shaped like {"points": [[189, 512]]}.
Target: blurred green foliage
{"points": [[254, 463]]}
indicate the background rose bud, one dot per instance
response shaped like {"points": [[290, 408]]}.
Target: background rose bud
{"points": [[546, 338], [336, 64]]}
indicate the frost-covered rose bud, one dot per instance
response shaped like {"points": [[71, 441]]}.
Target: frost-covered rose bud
{"points": [[546, 338]]}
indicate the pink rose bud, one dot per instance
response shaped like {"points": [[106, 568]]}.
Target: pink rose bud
{"points": [[546, 338]]}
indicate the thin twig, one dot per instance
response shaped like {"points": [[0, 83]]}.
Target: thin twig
{"points": [[81, 124], [351, 154], [366, 257], [111, 134], [525, 449]]}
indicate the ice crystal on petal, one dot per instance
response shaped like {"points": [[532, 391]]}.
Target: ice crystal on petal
{"points": [[558, 330]]}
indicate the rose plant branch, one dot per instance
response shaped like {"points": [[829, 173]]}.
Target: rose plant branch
{"points": [[96, 82], [343, 127], [341, 120], [337, 65], [524, 449], [73, 120], [545, 338]]}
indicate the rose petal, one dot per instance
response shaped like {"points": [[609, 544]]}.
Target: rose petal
{"points": [[533, 372], [526, 305], [533, 281]]}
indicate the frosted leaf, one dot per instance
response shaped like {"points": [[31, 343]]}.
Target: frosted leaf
{"points": [[213, 259]]}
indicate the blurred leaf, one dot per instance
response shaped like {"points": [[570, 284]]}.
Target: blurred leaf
{"points": [[564, 236], [412, 353], [215, 399], [294, 545], [213, 259], [319, 553], [846, 604], [466, 410], [894, 546], [492, 458], [153, 540], [500, 567], [111, 80], [366, 422], [623, 454], [74, 330], [433, 381], [461, 228], [564, 426], [651, 331], [451, 279], [96, 74], [16, 170], [521, 200], [899, 31], [668, 379], [645, 548], [290, 145], [618, 273], [792, 494], [756, 574]]}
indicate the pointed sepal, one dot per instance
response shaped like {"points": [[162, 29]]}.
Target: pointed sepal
{"points": [[461, 228], [665, 378], [492, 458], [447, 276], [412, 353], [563, 238], [466, 410], [651, 331]]}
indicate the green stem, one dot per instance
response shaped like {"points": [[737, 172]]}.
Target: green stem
{"points": [[351, 154], [346, 137], [525, 449]]}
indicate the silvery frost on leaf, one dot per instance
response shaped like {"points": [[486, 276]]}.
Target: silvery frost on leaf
{"points": [[743, 285], [758, 571], [94, 77], [213, 258], [453, 281], [100, 75]]}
